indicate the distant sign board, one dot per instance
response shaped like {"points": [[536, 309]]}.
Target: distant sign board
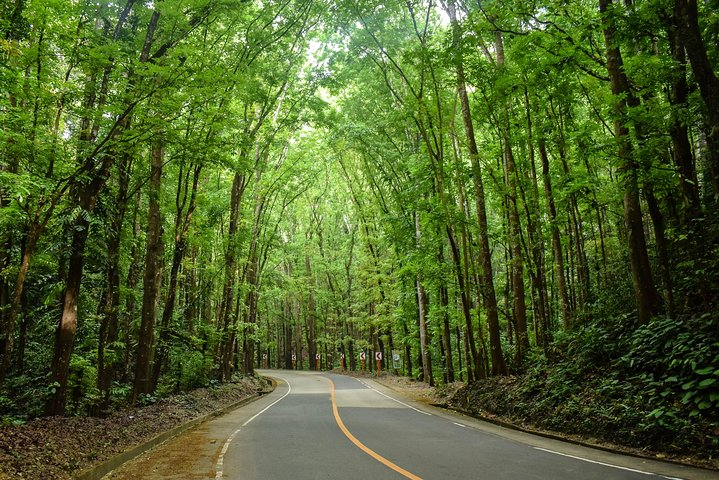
{"points": [[378, 356], [396, 359]]}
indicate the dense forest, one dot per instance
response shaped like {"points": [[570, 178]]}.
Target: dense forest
{"points": [[190, 190]]}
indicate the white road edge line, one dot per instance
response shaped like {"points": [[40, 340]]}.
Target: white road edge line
{"points": [[221, 459], [605, 464], [460, 425], [394, 399]]}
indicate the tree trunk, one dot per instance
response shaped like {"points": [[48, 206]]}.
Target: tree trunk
{"points": [[646, 295], [462, 282], [556, 239], [681, 145], [16, 300], [446, 337], [182, 227], [227, 317], [422, 312], [311, 314], [152, 277], [499, 367], [133, 277], [109, 324], [536, 238], [687, 15], [253, 280], [517, 268]]}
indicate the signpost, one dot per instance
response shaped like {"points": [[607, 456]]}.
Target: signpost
{"points": [[317, 357], [342, 358], [363, 357], [396, 360], [264, 359], [378, 357], [294, 361]]}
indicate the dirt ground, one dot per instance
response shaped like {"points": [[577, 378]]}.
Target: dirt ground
{"points": [[57, 448]]}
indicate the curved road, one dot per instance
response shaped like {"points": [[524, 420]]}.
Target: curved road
{"points": [[327, 426]]}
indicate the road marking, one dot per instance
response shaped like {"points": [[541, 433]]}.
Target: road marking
{"points": [[362, 446], [605, 464], [394, 399], [221, 459], [460, 425]]}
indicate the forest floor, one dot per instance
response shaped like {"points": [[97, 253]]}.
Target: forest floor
{"points": [[57, 448]]}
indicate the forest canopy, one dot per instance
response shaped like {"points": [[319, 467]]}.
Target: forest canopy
{"points": [[190, 190]]}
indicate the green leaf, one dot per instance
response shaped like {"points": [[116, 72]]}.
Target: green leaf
{"points": [[707, 382]]}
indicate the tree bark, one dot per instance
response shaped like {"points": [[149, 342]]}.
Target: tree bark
{"points": [[109, 324], [422, 312], [556, 238], [183, 219], [499, 367], [151, 278], [681, 145], [227, 316], [311, 314], [446, 337], [645, 293], [687, 14]]}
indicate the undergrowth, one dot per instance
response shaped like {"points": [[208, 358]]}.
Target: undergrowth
{"points": [[654, 387]]}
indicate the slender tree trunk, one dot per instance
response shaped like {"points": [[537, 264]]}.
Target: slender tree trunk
{"points": [[687, 14], [109, 324], [446, 337], [646, 295], [227, 318], [517, 268], [466, 309], [556, 239], [536, 235], [133, 277], [311, 314], [499, 367], [16, 300], [183, 219], [253, 280], [681, 146], [152, 277], [422, 311]]}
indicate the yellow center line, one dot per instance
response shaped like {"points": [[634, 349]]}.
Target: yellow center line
{"points": [[362, 446]]}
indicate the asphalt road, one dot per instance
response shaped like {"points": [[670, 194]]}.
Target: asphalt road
{"points": [[326, 426]]}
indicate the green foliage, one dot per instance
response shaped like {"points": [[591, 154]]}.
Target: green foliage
{"points": [[652, 387], [675, 365]]}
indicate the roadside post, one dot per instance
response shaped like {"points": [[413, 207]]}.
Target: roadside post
{"points": [[294, 361], [363, 357], [342, 358], [317, 358], [396, 360], [378, 357]]}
